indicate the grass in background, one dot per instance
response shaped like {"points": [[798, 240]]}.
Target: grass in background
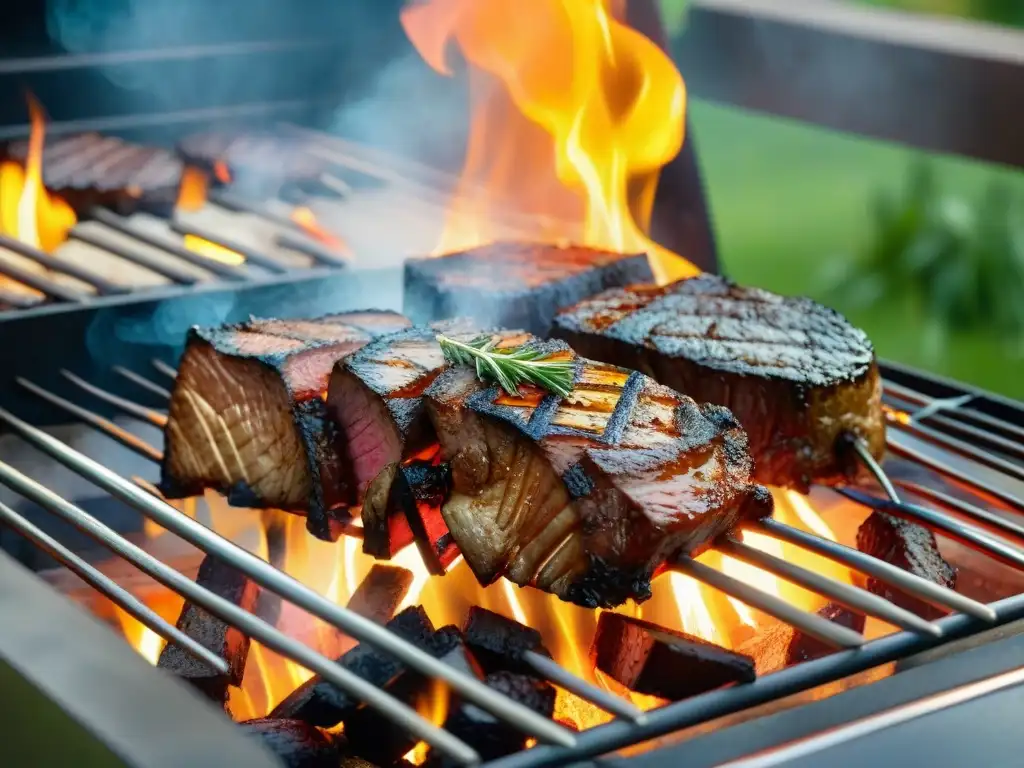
{"points": [[787, 197]]}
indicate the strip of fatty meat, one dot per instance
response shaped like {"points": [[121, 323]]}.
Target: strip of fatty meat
{"points": [[797, 375], [247, 415], [587, 496]]}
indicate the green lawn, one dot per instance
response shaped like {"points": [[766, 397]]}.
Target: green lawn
{"points": [[787, 197]]}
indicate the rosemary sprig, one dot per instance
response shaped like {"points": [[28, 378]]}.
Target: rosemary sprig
{"points": [[509, 367]]}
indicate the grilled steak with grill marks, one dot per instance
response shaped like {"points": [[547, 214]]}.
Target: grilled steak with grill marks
{"points": [[796, 374], [247, 414], [587, 496]]}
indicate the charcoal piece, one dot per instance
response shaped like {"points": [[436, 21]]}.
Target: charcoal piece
{"points": [[780, 645], [796, 375], [381, 592], [213, 634], [375, 737], [499, 642], [412, 514], [295, 743], [514, 285], [488, 735], [90, 169], [673, 665], [911, 547], [320, 703]]}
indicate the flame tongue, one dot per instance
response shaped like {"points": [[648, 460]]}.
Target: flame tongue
{"points": [[574, 114]]}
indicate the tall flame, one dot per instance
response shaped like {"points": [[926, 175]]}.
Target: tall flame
{"points": [[573, 116], [27, 211]]}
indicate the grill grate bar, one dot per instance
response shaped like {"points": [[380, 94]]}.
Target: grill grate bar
{"points": [[142, 381], [833, 635], [42, 284], [122, 404], [609, 702], [164, 368], [106, 586], [960, 412], [309, 247], [970, 510], [926, 590], [135, 257], [252, 256], [241, 619], [285, 586], [103, 287], [962, 448], [852, 597], [119, 224], [1008, 446]]}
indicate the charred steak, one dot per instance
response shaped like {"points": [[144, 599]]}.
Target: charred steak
{"points": [[796, 374], [247, 414], [587, 496], [514, 285]]}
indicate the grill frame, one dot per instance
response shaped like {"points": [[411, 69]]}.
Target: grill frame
{"points": [[626, 732]]}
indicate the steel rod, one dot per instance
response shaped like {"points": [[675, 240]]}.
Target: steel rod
{"points": [[110, 589], [123, 436], [55, 264], [952, 472], [962, 448], [969, 510], [556, 673], [18, 300], [282, 584], [1009, 446], [854, 598], [307, 246], [135, 257], [164, 368], [142, 381], [239, 618], [864, 454], [967, 414], [122, 404], [833, 635], [42, 284], [967, 534], [705, 707], [251, 255], [922, 588], [118, 224]]}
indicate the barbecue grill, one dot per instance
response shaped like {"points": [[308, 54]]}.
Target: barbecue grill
{"points": [[955, 465]]}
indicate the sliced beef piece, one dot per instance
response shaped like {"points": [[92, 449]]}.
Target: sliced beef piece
{"points": [[514, 285], [587, 496], [795, 374], [247, 414], [913, 548]]}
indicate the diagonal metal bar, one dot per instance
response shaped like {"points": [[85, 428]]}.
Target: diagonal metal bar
{"points": [[852, 597], [110, 589], [962, 448], [142, 381], [860, 448], [912, 584], [833, 635], [556, 673], [280, 583], [103, 286], [251, 255], [122, 404], [237, 617], [164, 368], [962, 413], [969, 510]]}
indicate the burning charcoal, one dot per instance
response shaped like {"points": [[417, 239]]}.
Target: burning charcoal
{"points": [[673, 665], [781, 645], [378, 739], [491, 737], [212, 633], [295, 743], [515, 285], [318, 702], [90, 169], [413, 513], [499, 643], [911, 547], [381, 592]]}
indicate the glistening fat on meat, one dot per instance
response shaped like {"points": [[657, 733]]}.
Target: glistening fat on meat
{"points": [[247, 414], [587, 496]]}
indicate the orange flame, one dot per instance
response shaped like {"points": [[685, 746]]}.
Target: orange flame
{"points": [[27, 211], [307, 220], [573, 116], [192, 189]]}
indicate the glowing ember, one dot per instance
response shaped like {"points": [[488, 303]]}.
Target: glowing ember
{"points": [[573, 116], [307, 220], [191, 189], [27, 211], [213, 251]]}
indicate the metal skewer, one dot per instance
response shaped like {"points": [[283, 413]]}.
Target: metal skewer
{"points": [[276, 581], [122, 404], [609, 702], [142, 381], [107, 587], [964, 508], [164, 368]]}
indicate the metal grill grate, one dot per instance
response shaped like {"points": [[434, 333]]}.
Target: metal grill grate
{"points": [[558, 746]]}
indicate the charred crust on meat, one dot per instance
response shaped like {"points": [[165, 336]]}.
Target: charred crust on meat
{"points": [[604, 586]]}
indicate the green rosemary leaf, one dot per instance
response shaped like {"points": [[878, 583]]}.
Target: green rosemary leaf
{"points": [[509, 368]]}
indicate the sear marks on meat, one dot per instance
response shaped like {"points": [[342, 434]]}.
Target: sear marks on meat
{"points": [[911, 547], [657, 661], [247, 414], [585, 497], [795, 374], [514, 285]]}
